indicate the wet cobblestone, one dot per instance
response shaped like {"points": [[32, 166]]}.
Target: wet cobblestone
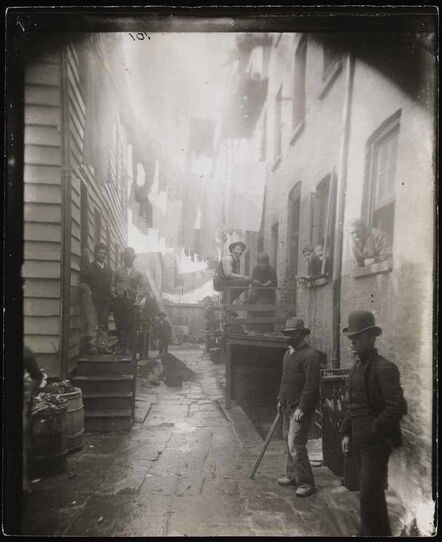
{"points": [[183, 470]]}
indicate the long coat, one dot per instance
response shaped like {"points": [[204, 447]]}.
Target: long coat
{"points": [[385, 399], [129, 284]]}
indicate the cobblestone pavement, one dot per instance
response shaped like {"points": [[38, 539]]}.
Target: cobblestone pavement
{"points": [[183, 470]]}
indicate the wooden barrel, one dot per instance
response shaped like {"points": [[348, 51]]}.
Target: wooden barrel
{"points": [[47, 455], [74, 420]]}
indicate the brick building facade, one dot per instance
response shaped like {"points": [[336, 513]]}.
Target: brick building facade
{"points": [[347, 131]]}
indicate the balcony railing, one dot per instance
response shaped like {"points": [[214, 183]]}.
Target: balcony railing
{"points": [[242, 317]]}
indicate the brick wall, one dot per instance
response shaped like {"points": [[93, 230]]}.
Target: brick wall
{"points": [[401, 298]]}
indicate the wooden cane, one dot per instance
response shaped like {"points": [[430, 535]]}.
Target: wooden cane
{"points": [[264, 446]]}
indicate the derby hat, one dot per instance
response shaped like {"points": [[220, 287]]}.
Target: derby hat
{"points": [[359, 321], [295, 324]]}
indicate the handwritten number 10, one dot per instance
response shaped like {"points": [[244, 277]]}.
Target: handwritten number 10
{"points": [[139, 36]]}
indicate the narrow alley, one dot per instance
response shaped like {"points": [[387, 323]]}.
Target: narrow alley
{"points": [[183, 470], [227, 223]]}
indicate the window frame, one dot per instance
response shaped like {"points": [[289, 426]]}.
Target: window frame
{"points": [[390, 126], [277, 126], [293, 259], [299, 73]]}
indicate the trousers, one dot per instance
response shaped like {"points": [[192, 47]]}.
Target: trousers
{"points": [[298, 465], [163, 345], [371, 455], [124, 313]]}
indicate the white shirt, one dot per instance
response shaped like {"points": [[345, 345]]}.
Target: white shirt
{"points": [[100, 264]]}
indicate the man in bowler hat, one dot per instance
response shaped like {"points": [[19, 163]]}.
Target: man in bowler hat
{"points": [[371, 424], [298, 396], [130, 290]]}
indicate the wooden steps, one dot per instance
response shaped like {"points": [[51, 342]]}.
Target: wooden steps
{"points": [[108, 386]]}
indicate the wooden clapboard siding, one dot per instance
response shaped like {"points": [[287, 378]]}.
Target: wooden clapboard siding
{"points": [[42, 325], [43, 73], [41, 174], [35, 231], [35, 269], [43, 155], [43, 213], [41, 307], [42, 250], [38, 115], [42, 210], [43, 288], [42, 95], [44, 344], [40, 193], [42, 135], [99, 196]]}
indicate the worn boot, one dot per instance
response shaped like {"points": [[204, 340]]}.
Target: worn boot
{"points": [[286, 481]]}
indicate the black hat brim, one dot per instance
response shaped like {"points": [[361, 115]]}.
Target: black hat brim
{"points": [[304, 330], [350, 333]]}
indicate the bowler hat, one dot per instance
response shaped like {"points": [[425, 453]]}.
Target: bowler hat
{"points": [[359, 321], [295, 324]]}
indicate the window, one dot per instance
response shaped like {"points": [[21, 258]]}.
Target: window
{"points": [[275, 234], [97, 227], [293, 229], [299, 83], [382, 149], [277, 145], [330, 58], [320, 205], [323, 210]]}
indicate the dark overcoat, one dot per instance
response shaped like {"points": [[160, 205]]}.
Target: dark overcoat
{"points": [[385, 400]]}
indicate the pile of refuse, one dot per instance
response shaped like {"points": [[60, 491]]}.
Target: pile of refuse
{"points": [[59, 386], [46, 403]]}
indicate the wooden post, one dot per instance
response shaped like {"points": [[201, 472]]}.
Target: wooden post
{"points": [[66, 221]]}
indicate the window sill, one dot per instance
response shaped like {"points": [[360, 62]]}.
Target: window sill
{"points": [[331, 77], [317, 282], [297, 132], [277, 162], [373, 269]]}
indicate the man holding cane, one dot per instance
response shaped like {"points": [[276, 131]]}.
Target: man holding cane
{"points": [[298, 396]]}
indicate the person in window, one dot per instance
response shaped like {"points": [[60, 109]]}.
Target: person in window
{"points": [[370, 245], [371, 425], [227, 273], [313, 258], [129, 289], [98, 276], [265, 281]]}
